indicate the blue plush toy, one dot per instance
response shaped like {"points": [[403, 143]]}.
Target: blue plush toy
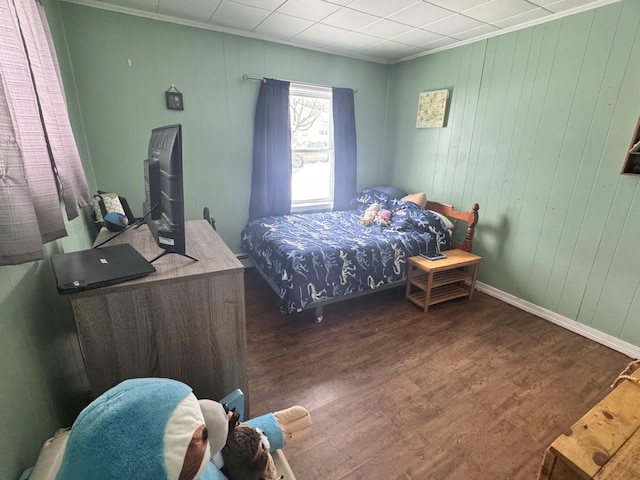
{"points": [[156, 429]]}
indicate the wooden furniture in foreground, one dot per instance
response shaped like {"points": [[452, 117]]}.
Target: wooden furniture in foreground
{"points": [[631, 164], [434, 281], [602, 445], [185, 321]]}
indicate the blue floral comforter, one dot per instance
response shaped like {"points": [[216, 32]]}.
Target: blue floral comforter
{"points": [[317, 256]]}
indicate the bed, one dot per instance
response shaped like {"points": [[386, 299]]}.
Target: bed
{"points": [[311, 260]]}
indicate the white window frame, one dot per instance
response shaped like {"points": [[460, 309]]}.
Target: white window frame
{"points": [[314, 91]]}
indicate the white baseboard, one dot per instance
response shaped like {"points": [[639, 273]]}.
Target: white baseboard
{"points": [[576, 327]]}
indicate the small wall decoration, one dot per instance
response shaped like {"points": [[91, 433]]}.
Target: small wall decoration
{"points": [[173, 97], [432, 108]]}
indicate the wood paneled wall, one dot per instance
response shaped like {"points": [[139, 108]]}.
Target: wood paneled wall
{"points": [[122, 66], [538, 127]]}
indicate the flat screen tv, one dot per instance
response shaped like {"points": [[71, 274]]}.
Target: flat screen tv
{"points": [[163, 207]]}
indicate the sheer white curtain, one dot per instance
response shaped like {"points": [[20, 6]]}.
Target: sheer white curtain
{"points": [[39, 160]]}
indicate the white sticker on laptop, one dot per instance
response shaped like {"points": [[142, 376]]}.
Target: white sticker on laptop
{"points": [[166, 241]]}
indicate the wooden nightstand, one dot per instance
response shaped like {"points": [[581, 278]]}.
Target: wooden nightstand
{"points": [[434, 281]]}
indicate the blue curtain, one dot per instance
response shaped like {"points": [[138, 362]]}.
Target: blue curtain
{"points": [[344, 137], [271, 177]]}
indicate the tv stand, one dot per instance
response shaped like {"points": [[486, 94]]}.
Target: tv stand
{"points": [[184, 321], [167, 252]]}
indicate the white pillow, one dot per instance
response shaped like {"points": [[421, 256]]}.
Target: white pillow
{"points": [[448, 224]]}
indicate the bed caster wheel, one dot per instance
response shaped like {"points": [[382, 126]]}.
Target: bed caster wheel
{"points": [[319, 318]]}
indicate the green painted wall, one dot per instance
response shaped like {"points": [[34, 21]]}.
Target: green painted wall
{"points": [[538, 127], [42, 379], [123, 65]]}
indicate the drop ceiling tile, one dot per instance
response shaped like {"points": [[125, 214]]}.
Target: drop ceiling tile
{"points": [[385, 28], [451, 25], [543, 3], [417, 37], [349, 19], [420, 14], [198, 10], [570, 4], [409, 52], [339, 2], [319, 34], [308, 9], [475, 32], [386, 57], [530, 16], [498, 10], [442, 42], [457, 5], [264, 4], [282, 26], [359, 40], [385, 47], [380, 8], [237, 16], [563, 5]]}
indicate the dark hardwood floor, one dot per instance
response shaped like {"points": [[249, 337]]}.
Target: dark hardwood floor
{"points": [[475, 390]]}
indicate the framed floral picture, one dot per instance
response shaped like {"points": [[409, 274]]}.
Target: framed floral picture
{"points": [[432, 108]]}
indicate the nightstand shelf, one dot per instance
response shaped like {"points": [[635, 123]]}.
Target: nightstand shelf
{"points": [[434, 281]]}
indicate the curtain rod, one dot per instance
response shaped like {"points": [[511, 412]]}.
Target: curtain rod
{"points": [[247, 77]]}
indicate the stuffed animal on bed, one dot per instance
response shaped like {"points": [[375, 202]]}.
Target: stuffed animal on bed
{"points": [[155, 429], [383, 218], [369, 216]]}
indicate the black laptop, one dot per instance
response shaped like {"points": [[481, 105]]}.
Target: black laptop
{"points": [[98, 267]]}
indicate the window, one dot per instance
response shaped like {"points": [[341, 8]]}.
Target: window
{"points": [[312, 151]]}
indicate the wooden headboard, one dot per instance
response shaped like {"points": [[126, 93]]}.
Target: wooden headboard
{"points": [[471, 218]]}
